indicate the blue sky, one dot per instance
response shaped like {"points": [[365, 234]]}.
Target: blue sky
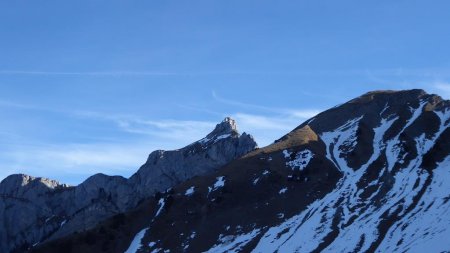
{"points": [[95, 86]]}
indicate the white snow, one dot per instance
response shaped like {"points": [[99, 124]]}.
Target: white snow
{"points": [[255, 181], [233, 243], [425, 228], [161, 204], [265, 172], [49, 218], [214, 139], [220, 137], [342, 137], [284, 190], [204, 140], [136, 243], [393, 148], [384, 109], [286, 154], [62, 223], [218, 184], [189, 191], [301, 160]]}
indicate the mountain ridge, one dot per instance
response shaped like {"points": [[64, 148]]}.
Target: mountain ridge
{"points": [[357, 175], [45, 209]]}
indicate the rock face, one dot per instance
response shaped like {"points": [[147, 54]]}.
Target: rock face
{"points": [[35, 210], [371, 175], [164, 169]]}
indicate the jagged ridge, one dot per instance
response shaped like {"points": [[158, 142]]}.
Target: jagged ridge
{"points": [[35, 210]]}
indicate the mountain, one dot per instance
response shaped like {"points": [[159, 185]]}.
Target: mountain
{"points": [[370, 175], [36, 210]]}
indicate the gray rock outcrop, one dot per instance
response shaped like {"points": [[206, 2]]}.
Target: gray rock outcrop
{"points": [[164, 169]]}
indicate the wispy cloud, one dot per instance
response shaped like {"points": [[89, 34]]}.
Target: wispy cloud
{"points": [[290, 112], [89, 73], [124, 155], [267, 129], [169, 129], [82, 160], [113, 158], [443, 89], [266, 124], [431, 80], [406, 72]]}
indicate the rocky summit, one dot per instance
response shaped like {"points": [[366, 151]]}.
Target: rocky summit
{"points": [[369, 175], [164, 169], [37, 210]]}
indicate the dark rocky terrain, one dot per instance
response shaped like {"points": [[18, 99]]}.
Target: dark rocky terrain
{"points": [[370, 175]]}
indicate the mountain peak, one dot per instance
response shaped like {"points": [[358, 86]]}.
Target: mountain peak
{"points": [[23, 180], [19, 185], [164, 169], [387, 94], [227, 126]]}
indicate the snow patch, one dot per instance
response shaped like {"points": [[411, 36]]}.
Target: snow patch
{"points": [[189, 191], [301, 160], [214, 139], [62, 223], [218, 184], [136, 243], [286, 154], [220, 137], [233, 243], [394, 146], [342, 138], [161, 204]]}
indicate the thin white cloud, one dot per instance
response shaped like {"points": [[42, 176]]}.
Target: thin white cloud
{"points": [[303, 114], [271, 123], [240, 104], [259, 122], [88, 73], [267, 129], [113, 157], [180, 130], [291, 112], [443, 89], [125, 158], [81, 159]]}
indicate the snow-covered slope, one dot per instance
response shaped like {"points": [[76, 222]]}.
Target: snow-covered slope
{"points": [[354, 216], [371, 175]]}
